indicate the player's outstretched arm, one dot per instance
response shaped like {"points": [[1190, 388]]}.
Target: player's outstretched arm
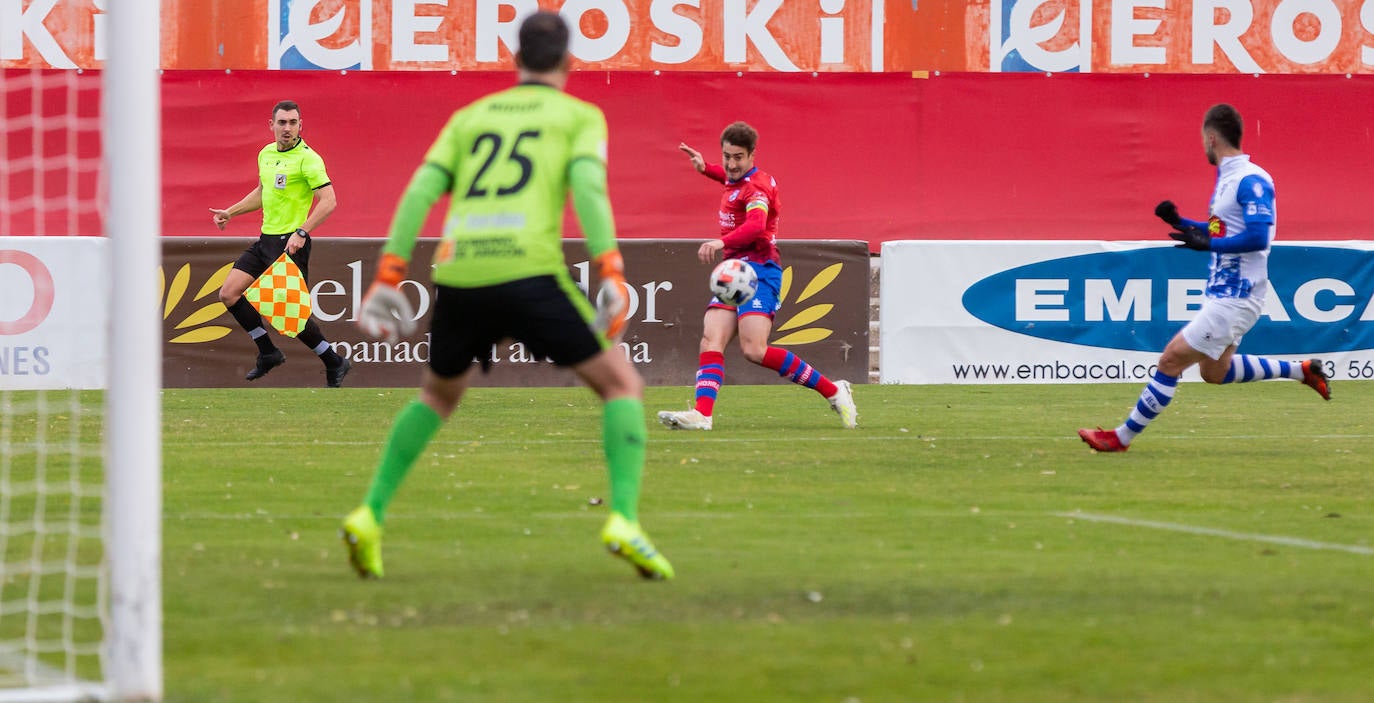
{"points": [[1256, 199], [326, 201], [711, 171], [698, 162], [1190, 237], [706, 253], [1168, 212], [754, 225], [428, 184], [249, 203], [1188, 234], [587, 180], [386, 311]]}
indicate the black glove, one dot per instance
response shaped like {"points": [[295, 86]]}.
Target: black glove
{"points": [[1168, 212], [1193, 237]]}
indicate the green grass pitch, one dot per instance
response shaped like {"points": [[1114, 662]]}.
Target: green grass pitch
{"points": [[961, 545]]}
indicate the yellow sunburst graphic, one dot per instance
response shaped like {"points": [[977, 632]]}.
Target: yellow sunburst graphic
{"points": [[809, 314], [173, 293]]}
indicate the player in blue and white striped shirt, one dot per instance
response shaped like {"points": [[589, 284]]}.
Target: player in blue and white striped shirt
{"points": [[1238, 235]]}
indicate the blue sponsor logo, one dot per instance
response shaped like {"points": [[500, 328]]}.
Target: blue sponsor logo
{"points": [[306, 36], [1056, 44], [1321, 299]]}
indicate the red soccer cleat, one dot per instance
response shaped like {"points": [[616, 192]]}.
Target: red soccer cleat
{"points": [[1314, 377], [1102, 440]]}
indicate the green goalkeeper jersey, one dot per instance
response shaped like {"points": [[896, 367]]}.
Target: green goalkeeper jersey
{"points": [[509, 155]]}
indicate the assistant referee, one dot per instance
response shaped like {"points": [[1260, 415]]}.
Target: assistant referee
{"points": [[291, 178]]}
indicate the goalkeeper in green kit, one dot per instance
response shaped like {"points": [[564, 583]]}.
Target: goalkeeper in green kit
{"points": [[509, 161]]}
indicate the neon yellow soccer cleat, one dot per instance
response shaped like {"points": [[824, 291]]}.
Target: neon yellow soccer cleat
{"points": [[363, 537], [626, 540]]}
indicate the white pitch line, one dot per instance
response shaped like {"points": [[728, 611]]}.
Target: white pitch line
{"points": [[1227, 534], [685, 438], [690, 438], [697, 438]]}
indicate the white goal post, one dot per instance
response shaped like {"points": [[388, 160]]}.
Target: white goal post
{"points": [[132, 139]]}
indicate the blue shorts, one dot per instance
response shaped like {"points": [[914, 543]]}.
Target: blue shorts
{"points": [[766, 298]]}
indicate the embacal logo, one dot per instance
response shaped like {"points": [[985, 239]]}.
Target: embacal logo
{"points": [[1321, 299], [322, 34], [172, 295], [1040, 35], [809, 314]]}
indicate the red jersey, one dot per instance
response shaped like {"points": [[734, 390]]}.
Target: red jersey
{"points": [[756, 191]]}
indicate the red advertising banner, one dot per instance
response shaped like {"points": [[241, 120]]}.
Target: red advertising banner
{"points": [[864, 156], [1100, 36], [824, 317], [1088, 156], [373, 133], [876, 157]]}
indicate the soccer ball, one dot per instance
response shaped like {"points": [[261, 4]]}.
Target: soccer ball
{"points": [[734, 282]]}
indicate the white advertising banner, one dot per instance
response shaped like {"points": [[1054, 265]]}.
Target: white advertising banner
{"points": [[54, 301], [1100, 312]]}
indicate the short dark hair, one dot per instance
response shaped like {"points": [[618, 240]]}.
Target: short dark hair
{"points": [[543, 41], [287, 105], [740, 134], [1224, 120]]}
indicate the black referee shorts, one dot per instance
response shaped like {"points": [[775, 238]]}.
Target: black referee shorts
{"points": [[538, 312], [256, 258]]}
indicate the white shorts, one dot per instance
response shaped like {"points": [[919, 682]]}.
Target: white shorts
{"points": [[1220, 323]]}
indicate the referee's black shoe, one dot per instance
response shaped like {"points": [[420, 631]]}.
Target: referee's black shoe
{"points": [[266, 362], [334, 377]]}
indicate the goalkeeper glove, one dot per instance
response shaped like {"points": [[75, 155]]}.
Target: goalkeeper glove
{"points": [[386, 311], [1193, 237], [612, 301], [1168, 212]]}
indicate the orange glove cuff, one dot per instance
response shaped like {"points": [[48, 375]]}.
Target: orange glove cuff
{"points": [[391, 270], [611, 264]]}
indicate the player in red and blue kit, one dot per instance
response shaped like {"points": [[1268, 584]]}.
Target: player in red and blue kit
{"points": [[749, 209]]}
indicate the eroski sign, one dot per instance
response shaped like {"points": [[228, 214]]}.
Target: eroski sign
{"points": [[1180, 36], [778, 35], [1321, 299]]}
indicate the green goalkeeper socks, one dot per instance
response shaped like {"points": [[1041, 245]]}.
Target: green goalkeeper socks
{"points": [[415, 425], [623, 436]]}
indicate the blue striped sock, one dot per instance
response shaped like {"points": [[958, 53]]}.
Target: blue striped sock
{"points": [[1246, 368], [1156, 396]]}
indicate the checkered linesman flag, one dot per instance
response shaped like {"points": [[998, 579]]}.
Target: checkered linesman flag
{"points": [[282, 297]]}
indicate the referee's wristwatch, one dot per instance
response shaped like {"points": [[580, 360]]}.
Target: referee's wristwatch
{"points": [[304, 234]]}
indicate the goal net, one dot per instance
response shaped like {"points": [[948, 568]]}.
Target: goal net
{"points": [[51, 469], [80, 458]]}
